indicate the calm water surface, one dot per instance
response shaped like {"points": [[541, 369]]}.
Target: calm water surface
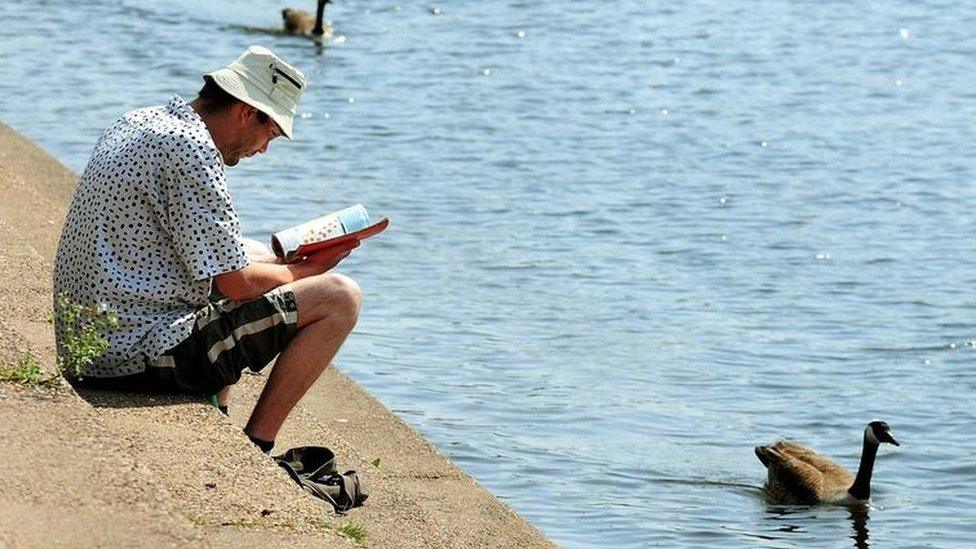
{"points": [[631, 240]]}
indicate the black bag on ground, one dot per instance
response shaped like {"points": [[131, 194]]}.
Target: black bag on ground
{"points": [[314, 469]]}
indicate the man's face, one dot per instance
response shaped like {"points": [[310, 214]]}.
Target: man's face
{"points": [[253, 137]]}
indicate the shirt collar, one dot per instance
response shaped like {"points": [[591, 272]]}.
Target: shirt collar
{"points": [[182, 110]]}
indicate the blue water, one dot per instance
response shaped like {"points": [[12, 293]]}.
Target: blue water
{"points": [[630, 240]]}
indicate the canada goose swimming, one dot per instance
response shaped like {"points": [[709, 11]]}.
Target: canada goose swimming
{"points": [[798, 475], [302, 23]]}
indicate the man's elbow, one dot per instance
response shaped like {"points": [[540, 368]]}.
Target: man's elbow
{"points": [[234, 286]]}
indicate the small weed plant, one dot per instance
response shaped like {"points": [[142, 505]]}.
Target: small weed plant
{"points": [[347, 529], [352, 531], [82, 341], [82, 335], [26, 372]]}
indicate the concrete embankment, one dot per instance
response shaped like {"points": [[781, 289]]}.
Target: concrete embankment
{"points": [[107, 469]]}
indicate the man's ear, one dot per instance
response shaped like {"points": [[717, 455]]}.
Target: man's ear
{"points": [[245, 113]]}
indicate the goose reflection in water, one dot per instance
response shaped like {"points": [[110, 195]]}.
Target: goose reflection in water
{"points": [[797, 520], [859, 523]]}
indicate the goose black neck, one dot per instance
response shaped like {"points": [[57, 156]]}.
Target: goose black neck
{"points": [[861, 489], [319, 14]]}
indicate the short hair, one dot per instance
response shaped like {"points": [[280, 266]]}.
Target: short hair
{"points": [[215, 99]]}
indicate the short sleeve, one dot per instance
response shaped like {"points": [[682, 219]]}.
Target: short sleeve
{"points": [[201, 218]]}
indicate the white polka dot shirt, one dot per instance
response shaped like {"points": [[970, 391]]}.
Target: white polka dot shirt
{"points": [[149, 226]]}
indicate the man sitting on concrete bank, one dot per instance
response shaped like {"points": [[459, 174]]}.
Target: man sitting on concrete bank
{"points": [[152, 228]]}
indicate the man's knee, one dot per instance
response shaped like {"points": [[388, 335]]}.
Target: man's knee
{"points": [[347, 295], [333, 297]]}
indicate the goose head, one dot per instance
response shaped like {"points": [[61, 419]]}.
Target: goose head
{"points": [[877, 432]]}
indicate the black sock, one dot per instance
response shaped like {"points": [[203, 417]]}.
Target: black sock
{"points": [[223, 409], [265, 445]]}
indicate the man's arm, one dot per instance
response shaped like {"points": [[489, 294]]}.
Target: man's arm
{"points": [[258, 278]]}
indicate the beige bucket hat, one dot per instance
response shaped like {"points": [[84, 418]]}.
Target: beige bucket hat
{"points": [[266, 82]]}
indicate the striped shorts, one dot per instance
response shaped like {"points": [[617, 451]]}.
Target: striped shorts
{"points": [[228, 336]]}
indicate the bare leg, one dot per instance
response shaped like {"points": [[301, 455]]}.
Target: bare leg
{"points": [[328, 306], [223, 396]]}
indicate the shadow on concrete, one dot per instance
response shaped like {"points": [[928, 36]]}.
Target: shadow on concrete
{"points": [[105, 398], [110, 393]]}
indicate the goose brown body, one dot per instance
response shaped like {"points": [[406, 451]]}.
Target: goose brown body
{"points": [[297, 21], [798, 475], [303, 23]]}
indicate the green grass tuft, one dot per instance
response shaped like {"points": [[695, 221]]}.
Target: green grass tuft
{"points": [[82, 335], [353, 531], [347, 529], [26, 372], [196, 520]]}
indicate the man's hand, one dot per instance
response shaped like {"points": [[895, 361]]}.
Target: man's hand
{"points": [[327, 258]]}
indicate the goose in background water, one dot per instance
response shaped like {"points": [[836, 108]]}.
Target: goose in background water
{"points": [[798, 475], [302, 23]]}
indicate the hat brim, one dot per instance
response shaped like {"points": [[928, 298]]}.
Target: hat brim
{"points": [[232, 83]]}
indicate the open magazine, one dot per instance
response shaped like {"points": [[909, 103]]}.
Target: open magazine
{"points": [[339, 227]]}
